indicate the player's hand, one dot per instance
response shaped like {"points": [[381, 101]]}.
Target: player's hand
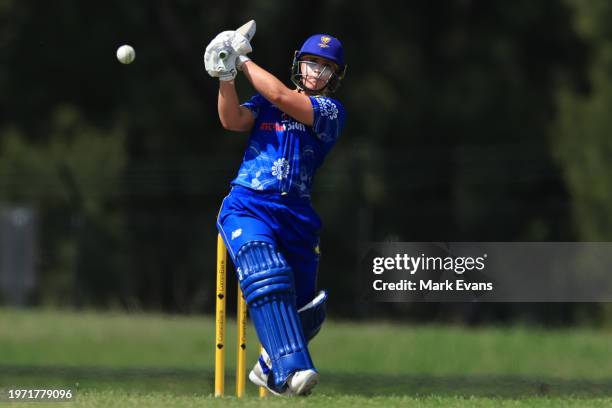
{"points": [[222, 52], [220, 57], [240, 44]]}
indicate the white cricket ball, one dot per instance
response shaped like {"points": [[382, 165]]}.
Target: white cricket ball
{"points": [[126, 54]]}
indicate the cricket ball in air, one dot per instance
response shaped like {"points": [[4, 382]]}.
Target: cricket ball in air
{"points": [[126, 54]]}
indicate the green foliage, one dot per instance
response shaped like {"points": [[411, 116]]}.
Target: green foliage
{"points": [[77, 161], [70, 179], [581, 135], [450, 105], [25, 170], [584, 148]]}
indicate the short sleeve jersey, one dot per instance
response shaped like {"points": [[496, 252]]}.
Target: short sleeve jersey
{"points": [[283, 154]]}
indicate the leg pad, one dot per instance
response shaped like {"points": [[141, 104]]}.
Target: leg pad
{"points": [[267, 284]]}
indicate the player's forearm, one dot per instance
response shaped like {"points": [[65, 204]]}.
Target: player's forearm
{"points": [[228, 105], [294, 104], [264, 82]]}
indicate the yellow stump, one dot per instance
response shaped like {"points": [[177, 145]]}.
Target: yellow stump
{"points": [[241, 350], [241, 320], [220, 319], [262, 390]]}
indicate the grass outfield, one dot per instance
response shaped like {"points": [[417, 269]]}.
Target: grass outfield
{"points": [[155, 360]]}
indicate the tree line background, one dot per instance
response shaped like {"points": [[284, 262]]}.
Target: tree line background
{"points": [[467, 121]]}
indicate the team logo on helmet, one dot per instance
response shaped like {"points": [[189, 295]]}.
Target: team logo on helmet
{"points": [[324, 41]]}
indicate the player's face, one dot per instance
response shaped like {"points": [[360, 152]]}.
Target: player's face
{"points": [[316, 72]]}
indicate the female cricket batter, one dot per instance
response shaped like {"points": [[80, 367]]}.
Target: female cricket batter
{"points": [[267, 221]]}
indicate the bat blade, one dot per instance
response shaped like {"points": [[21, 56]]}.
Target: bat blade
{"points": [[248, 29]]}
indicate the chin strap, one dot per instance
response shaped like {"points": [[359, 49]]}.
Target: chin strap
{"points": [[304, 91]]}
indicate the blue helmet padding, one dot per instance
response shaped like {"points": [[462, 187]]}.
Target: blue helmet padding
{"points": [[267, 284], [324, 46], [313, 315]]}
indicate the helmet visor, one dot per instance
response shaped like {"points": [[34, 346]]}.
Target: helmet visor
{"points": [[312, 72]]}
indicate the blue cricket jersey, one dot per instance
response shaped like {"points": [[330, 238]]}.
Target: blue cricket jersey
{"points": [[283, 154]]}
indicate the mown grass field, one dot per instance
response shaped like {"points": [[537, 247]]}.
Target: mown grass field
{"points": [[164, 361]]}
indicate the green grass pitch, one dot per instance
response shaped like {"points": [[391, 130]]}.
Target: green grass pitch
{"points": [[136, 360]]}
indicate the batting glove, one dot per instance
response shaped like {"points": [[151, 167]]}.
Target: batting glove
{"points": [[221, 54]]}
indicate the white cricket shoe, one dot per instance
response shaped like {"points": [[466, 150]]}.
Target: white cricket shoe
{"points": [[260, 379], [259, 374], [298, 383], [302, 382]]}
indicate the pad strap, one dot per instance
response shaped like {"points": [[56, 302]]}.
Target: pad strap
{"points": [[312, 315]]}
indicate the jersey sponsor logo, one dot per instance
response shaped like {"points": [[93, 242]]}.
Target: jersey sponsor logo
{"points": [[293, 125], [272, 126], [281, 127]]}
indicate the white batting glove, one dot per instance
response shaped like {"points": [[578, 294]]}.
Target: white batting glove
{"points": [[222, 52], [220, 57], [241, 44]]}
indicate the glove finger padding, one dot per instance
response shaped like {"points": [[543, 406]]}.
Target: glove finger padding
{"points": [[228, 75], [220, 58], [222, 52], [215, 65], [224, 37]]}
